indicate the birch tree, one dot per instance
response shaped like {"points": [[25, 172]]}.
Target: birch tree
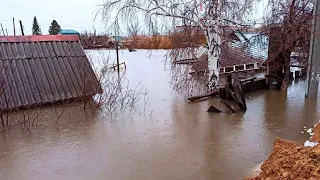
{"points": [[207, 15]]}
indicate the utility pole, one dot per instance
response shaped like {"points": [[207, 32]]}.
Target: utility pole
{"points": [[314, 54], [21, 27], [14, 27], [2, 30], [117, 50]]}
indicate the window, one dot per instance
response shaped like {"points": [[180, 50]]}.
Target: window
{"points": [[229, 69], [239, 68], [249, 66]]}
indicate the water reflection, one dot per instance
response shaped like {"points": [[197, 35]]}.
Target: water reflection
{"points": [[173, 139]]}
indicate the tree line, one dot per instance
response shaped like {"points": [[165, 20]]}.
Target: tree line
{"points": [[54, 28]]}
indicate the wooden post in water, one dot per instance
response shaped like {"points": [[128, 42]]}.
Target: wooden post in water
{"points": [[117, 50], [21, 27], [14, 27], [4, 34]]}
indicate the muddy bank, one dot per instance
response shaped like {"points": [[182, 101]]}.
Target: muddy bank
{"points": [[291, 160], [316, 133]]}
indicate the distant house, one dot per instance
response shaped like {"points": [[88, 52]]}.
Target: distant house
{"points": [[244, 52], [91, 41], [68, 32], [37, 70], [247, 54]]}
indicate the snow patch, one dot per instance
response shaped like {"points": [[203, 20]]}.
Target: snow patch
{"points": [[310, 144]]}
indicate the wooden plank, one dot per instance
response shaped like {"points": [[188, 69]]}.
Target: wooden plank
{"points": [[214, 109], [248, 79], [186, 61], [194, 98], [228, 106], [239, 92]]}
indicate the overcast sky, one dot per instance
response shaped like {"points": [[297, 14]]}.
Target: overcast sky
{"points": [[70, 14]]}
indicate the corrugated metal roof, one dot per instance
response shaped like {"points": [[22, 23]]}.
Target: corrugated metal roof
{"points": [[232, 55], [43, 69]]}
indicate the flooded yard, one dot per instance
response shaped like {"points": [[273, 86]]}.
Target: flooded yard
{"points": [[166, 138]]}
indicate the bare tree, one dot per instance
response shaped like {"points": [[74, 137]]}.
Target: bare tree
{"points": [[292, 21], [133, 29], [207, 15]]}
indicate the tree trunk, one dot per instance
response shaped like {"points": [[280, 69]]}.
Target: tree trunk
{"points": [[213, 66], [213, 41], [286, 78]]}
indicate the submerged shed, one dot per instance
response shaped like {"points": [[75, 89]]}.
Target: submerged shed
{"points": [[37, 70]]}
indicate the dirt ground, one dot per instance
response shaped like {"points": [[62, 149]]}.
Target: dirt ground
{"points": [[316, 136], [291, 160]]}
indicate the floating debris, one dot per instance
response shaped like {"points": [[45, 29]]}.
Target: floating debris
{"points": [[214, 109]]}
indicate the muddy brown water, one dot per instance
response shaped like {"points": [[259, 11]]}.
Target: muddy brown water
{"points": [[173, 140]]}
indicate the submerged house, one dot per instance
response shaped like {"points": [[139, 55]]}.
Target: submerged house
{"points": [[36, 70], [244, 54]]}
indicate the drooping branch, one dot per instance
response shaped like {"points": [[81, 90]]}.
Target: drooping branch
{"points": [[207, 16]]}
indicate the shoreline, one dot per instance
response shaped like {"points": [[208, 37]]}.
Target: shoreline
{"points": [[292, 160]]}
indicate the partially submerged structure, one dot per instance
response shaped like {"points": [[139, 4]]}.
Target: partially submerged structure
{"points": [[241, 66], [36, 70], [242, 54]]}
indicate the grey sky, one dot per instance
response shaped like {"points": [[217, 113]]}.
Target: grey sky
{"points": [[70, 14]]}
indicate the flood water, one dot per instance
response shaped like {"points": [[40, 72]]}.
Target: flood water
{"points": [[171, 139]]}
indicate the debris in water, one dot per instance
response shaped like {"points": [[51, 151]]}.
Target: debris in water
{"points": [[214, 109], [228, 106]]}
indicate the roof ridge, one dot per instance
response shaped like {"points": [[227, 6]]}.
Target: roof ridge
{"points": [[38, 38]]}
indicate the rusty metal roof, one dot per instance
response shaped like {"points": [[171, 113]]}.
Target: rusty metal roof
{"points": [[230, 56], [233, 55], [43, 69]]}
